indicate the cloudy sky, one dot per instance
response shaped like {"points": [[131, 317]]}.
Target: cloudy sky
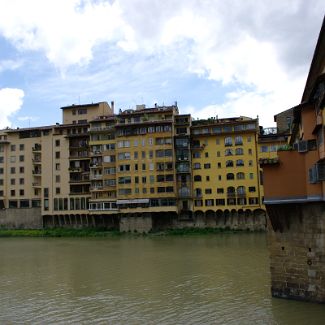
{"points": [[225, 58]]}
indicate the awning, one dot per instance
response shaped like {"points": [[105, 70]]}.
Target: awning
{"points": [[134, 201]]}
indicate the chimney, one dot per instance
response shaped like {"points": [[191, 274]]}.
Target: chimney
{"points": [[112, 106]]}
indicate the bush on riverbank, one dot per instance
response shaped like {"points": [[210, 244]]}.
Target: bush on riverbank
{"points": [[101, 232]]}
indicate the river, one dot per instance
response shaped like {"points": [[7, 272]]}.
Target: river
{"points": [[215, 279]]}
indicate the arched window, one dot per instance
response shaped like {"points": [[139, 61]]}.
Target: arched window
{"points": [[230, 176], [240, 162], [241, 190], [240, 176], [229, 152], [231, 190], [228, 141], [238, 140], [229, 163], [239, 151], [197, 178]]}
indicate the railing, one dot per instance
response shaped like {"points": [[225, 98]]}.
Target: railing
{"points": [[37, 148]]}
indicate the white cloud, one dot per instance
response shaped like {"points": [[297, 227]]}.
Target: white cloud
{"points": [[11, 100], [259, 50], [10, 65]]}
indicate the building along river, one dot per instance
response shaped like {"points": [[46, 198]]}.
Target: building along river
{"points": [[211, 279]]}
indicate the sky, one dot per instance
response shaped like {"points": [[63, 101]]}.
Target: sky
{"points": [[214, 57]]}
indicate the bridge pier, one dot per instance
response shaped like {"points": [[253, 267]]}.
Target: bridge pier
{"points": [[296, 238]]}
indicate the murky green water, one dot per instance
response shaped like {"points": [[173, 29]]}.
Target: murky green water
{"points": [[219, 279]]}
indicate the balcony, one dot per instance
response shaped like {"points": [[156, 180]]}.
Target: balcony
{"points": [[37, 172], [184, 193], [96, 165], [96, 153], [231, 195], [96, 177], [75, 169], [84, 179], [36, 184]]}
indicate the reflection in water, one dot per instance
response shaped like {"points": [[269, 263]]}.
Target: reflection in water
{"points": [[220, 279]]}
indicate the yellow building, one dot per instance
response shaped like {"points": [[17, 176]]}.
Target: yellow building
{"points": [[99, 167]]}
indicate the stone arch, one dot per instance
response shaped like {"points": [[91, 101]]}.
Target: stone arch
{"points": [[210, 218], [220, 219], [234, 218], [259, 217], [241, 218], [227, 218]]}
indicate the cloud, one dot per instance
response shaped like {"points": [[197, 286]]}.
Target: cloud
{"points": [[11, 100], [258, 51], [10, 65]]}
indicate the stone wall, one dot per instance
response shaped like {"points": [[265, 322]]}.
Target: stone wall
{"points": [[296, 237], [29, 218], [141, 223]]}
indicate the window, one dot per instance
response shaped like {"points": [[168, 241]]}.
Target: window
{"points": [[239, 151], [57, 178], [13, 147], [241, 190], [207, 166], [135, 155], [218, 153], [12, 192], [206, 155], [250, 163], [21, 192], [240, 162], [144, 180], [220, 202], [12, 181], [229, 152], [252, 189], [230, 176], [238, 140], [12, 170], [208, 191], [228, 141], [143, 154], [217, 141], [197, 178], [135, 143], [57, 166], [21, 181], [150, 154], [21, 170], [21, 158], [197, 166], [1, 170], [229, 163], [57, 190], [207, 178], [220, 190], [264, 149], [250, 151], [12, 159], [209, 202], [136, 179], [57, 143], [1, 160], [198, 203], [144, 190], [152, 190], [196, 155], [249, 139], [21, 147], [251, 176], [143, 166], [151, 179], [240, 176], [151, 166], [57, 155], [219, 165]]}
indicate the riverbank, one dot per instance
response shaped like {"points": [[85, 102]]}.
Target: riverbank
{"points": [[99, 232]]}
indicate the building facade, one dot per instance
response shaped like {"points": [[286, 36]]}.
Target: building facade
{"points": [[295, 195], [98, 168]]}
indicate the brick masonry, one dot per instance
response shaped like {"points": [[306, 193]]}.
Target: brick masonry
{"points": [[296, 238]]}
